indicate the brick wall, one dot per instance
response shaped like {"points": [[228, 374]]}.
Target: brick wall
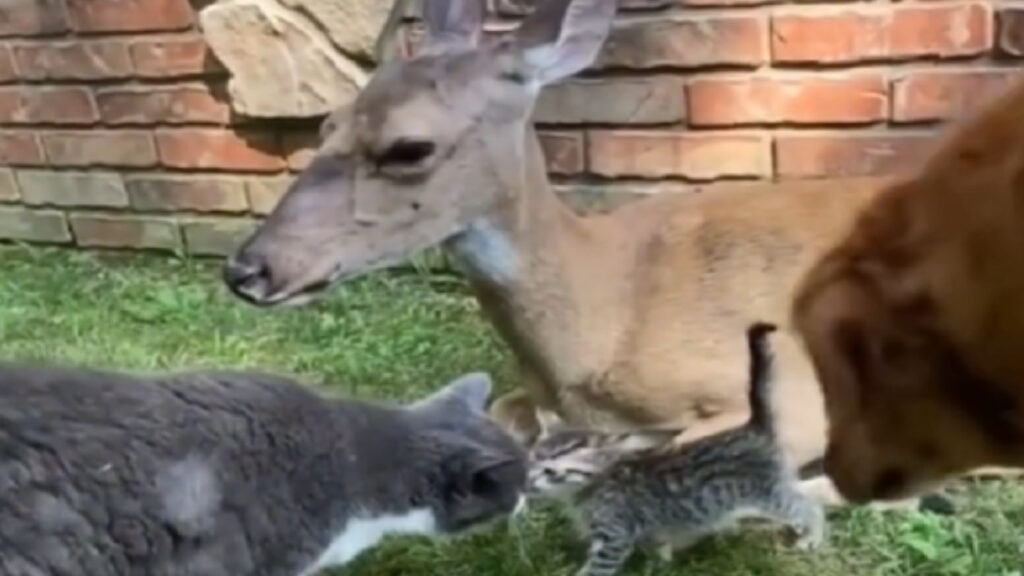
{"points": [[115, 130]]}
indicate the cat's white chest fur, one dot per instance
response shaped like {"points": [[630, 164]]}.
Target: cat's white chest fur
{"points": [[360, 534]]}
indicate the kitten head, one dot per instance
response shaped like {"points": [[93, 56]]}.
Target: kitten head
{"points": [[566, 459], [479, 469]]}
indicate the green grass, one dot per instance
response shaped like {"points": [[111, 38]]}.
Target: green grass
{"points": [[397, 337]]}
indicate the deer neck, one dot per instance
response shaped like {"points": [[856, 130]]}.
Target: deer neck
{"points": [[530, 262]]}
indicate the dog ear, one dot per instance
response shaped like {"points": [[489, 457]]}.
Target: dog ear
{"points": [[829, 315]]}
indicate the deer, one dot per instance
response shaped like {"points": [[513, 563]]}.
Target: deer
{"points": [[620, 320], [913, 318]]}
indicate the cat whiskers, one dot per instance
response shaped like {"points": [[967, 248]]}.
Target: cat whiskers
{"points": [[514, 527]]}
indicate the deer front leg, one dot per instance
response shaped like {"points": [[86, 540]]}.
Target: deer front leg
{"points": [[516, 411], [517, 414]]}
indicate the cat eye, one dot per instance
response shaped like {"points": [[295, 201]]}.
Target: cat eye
{"points": [[483, 483]]}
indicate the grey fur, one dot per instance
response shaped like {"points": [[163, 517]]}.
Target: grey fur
{"points": [[219, 473], [637, 489]]}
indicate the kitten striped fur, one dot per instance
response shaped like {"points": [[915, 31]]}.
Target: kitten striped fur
{"points": [[639, 489]]}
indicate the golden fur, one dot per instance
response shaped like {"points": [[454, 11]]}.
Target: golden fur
{"points": [[914, 320]]}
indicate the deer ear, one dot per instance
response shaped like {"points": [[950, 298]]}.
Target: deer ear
{"points": [[562, 37], [453, 22], [389, 45]]}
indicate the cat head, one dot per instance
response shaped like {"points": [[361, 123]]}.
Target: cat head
{"points": [[565, 459], [479, 470]]}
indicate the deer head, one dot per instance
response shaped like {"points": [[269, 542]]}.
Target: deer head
{"points": [[432, 143]]}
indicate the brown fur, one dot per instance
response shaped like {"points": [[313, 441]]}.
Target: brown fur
{"points": [[915, 318]]}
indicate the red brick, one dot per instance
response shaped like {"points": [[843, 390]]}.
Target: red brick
{"points": [[882, 33], [926, 96], [1010, 36], [121, 148], [695, 156], [524, 7], [79, 60], [803, 99], [47, 105], [161, 105], [9, 191], [173, 57], [687, 43], [265, 193], [840, 155], [563, 151], [117, 231], [65, 188], [199, 193], [8, 71], [129, 15], [299, 148], [218, 150], [216, 236], [651, 100], [33, 17], [33, 225], [20, 149]]}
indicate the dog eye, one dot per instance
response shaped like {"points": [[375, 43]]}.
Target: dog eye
{"points": [[406, 152]]}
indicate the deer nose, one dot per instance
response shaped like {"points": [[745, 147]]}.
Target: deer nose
{"points": [[248, 276]]}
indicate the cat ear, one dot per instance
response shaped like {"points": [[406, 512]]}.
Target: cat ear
{"points": [[471, 390]]}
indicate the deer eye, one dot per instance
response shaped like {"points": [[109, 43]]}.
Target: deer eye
{"points": [[513, 76], [406, 152], [326, 127]]}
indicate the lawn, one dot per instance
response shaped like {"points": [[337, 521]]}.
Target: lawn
{"points": [[396, 337]]}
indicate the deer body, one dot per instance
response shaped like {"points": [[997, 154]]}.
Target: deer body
{"points": [[630, 318]]}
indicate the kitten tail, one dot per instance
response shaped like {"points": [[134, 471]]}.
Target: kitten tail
{"points": [[762, 375]]}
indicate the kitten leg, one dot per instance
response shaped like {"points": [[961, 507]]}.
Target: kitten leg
{"points": [[608, 552], [668, 545], [805, 516], [661, 545], [665, 551]]}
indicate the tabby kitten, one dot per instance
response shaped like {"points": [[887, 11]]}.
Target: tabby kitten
{"points": [[230, 473], [638, 489]]}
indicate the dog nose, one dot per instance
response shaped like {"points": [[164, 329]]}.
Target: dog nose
{"points": [[247, 275]]}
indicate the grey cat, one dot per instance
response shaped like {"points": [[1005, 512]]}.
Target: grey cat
{"points": [[639, 489], [232, 473]]}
